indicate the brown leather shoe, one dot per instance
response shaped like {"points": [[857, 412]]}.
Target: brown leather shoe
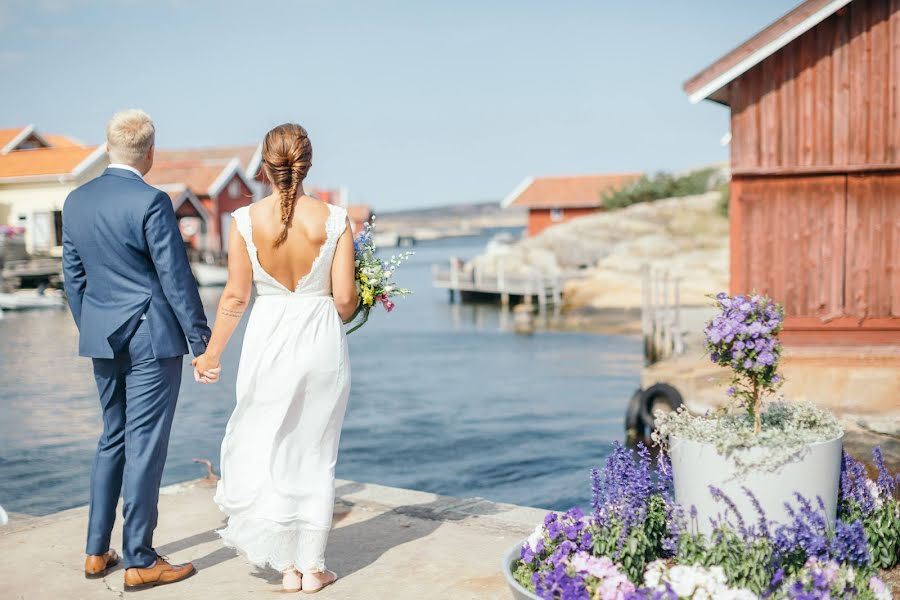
{"points": [[160, 573], [96, 566]]}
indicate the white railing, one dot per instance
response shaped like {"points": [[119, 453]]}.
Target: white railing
{"points": [[661, 315]]}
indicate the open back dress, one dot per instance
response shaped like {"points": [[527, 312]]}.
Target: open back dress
{"points": [[281, 443]]}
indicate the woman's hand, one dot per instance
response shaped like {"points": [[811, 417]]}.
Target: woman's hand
{"points": [[206, 368]]}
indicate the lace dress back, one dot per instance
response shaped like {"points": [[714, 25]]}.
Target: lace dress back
{"points": [[281, 443]]}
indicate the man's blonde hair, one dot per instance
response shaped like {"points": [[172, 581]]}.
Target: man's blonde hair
{"points": [[129, 135]]}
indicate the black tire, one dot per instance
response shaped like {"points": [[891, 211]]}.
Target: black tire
{"points": [[658, 396], [634, 423]]}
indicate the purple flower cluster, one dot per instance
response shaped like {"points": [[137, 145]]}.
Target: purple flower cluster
{"points": [[622, 489], [887, 484], [564, 535], [808, 534], [855, 493], [743, 337]]}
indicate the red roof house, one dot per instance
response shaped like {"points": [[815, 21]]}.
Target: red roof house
{"points": [[219, 186], [552, 200]]}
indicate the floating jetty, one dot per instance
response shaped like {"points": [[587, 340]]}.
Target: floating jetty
{"points": [[387, 543], [471, 283]]}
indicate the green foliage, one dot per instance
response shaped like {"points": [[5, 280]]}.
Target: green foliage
{"points": [[522, 573], [882, 533], [725, 199], [641, 546], [660, 185], [746, 564]]}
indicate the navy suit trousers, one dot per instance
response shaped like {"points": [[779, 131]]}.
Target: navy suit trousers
{"points": [[138, 394]]}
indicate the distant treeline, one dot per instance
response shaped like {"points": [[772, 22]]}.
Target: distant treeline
{"points": [[669, 185]]}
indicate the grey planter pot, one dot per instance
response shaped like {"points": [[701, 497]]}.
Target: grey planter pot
{"points": [[698, 465], [518, 592]]}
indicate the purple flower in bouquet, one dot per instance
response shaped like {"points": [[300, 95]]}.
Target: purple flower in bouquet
{"points": [[374, 277]]}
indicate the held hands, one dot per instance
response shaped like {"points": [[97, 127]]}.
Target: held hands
{"points": [[206, 369]]}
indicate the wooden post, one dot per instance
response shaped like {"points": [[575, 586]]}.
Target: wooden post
{"points": [[529, 287], [677, 333], [666, 341], [501, 286], [454, 279], [542, 295]]}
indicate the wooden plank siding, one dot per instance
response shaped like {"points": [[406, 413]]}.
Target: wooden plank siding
{"points": [[788, 242], [872, 267], [815, 192], [828, 99], [828, 247]]}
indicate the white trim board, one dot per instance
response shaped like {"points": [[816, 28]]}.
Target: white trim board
{"points": [[767, 50], [517, 191]]}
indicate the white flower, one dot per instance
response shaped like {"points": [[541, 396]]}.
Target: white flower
{"points": [[694, 582], [880, 590], [535, 536], [876, 493]]}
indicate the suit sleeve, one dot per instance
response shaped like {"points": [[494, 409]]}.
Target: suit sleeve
{"points": [[74, 276], [175, 276]]}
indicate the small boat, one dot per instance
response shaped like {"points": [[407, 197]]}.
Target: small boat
{"points": [[29, 300], [209, 275]]}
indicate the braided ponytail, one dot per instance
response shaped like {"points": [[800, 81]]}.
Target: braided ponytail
{"points": [[287, 153]]}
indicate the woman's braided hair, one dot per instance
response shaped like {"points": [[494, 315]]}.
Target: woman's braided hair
{"points": [[287, 153]]}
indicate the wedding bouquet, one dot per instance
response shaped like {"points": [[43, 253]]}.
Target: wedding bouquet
{"points": [[374, 278]]}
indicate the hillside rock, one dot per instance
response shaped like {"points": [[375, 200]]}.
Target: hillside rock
{"points": [[605, 253]]}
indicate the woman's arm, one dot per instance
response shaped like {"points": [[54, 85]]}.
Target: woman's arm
{"points": [[343, 276], [232, 305]]}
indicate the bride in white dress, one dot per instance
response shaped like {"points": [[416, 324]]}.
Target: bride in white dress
{"points": [[281, 443]]}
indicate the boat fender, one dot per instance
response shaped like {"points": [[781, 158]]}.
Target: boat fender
{"points": [[659, 396], [635, 428]]}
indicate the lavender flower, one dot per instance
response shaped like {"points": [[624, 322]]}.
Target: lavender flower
{"points": [[886, 483], [854, 492]]}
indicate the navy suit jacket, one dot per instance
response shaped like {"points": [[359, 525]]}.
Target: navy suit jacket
{"points": [[123, 257]]}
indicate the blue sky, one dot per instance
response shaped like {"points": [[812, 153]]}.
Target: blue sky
{"points": [[408, 103]]}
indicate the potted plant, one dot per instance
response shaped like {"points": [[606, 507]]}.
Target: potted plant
{"points": [[768, 452], [636, 543]]}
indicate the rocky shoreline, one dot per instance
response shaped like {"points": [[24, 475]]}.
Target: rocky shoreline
{"points": [[603, 256]]}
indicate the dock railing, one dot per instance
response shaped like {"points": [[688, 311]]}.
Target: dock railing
{"points": [[661, 315], [532, 287]]}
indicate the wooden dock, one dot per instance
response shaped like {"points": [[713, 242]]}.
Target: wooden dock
{"points": [[472, 283], [661, 316], [15, 273]]}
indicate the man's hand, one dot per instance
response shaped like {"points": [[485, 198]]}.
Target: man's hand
{"points": [[206, 369]]}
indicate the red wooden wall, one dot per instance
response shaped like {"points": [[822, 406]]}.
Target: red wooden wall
{"points": [[816, 178], [540, 219]]}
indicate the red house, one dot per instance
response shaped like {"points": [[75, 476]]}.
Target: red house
{"points": [[552, 200], [219, 186], [815, 165]]}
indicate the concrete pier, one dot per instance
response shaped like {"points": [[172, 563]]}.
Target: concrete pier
{"points": [[388, 543]]}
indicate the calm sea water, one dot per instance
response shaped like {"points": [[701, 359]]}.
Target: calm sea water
{"points": [[444, 399]]}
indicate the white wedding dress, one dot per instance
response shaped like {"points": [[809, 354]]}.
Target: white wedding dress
{"points": [[281, 443]]}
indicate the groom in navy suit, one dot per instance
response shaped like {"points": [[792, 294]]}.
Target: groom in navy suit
{"points": [[134, 300]]}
